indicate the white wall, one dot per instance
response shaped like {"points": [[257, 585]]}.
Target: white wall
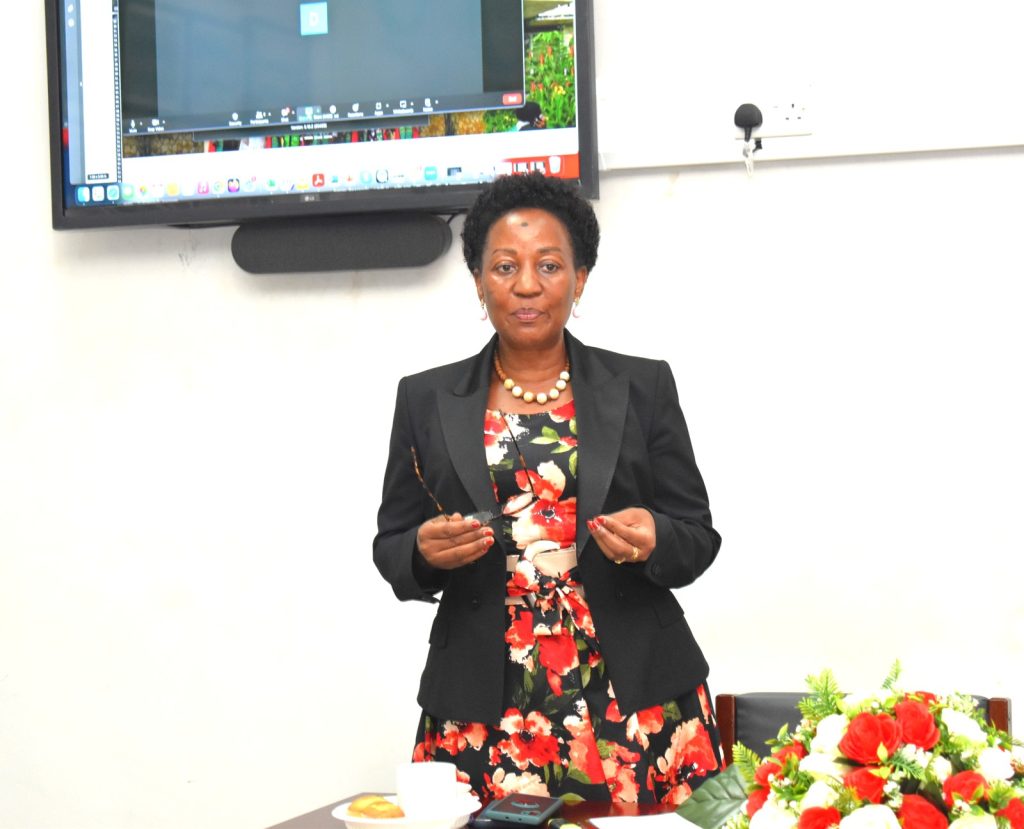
{"points": [[192, 632], [877, 77]]}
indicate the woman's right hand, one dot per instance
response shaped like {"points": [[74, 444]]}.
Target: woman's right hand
{"points": [[450, 541]]}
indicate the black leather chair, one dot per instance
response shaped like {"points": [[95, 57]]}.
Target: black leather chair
{"points": [[755, 718]]}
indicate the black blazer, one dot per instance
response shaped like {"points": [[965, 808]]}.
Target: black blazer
{"points": [[634, 450]]}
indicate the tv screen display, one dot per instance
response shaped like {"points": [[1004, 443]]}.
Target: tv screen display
{"points": [[226, 111]]}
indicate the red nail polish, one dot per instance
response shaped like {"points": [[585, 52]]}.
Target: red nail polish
{"points": [[600, 520]]}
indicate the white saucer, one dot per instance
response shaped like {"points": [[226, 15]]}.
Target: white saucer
{"points": [[452, 815]]}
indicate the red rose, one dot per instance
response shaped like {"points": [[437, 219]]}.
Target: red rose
{"points": [[867, 735], [917, 724], [819, 817], [920, 813], [866, 782], [796, 749], [1014, 812], [756, 799], [774, 764], [969, 785], [927, 697], [768, 767]]}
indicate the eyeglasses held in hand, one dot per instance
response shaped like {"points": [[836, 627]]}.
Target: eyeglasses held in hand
{"points": [[484, 516]]}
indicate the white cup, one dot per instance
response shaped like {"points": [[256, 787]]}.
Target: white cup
{"points": [[425, 788]]}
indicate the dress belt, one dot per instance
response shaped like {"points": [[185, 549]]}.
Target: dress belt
{"points": [[548, 563]]}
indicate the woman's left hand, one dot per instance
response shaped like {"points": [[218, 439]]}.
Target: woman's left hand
{"points": [[626, 536]]}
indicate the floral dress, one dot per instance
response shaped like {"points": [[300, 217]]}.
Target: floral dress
{"points": [[562, 733]]}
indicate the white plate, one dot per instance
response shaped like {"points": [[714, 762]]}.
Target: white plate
{"points": [[451, 816]]}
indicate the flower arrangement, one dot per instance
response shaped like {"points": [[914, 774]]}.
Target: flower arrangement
{"points": [[885, 760]]}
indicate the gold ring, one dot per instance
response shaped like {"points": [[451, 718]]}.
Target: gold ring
{"points": [[636, 553]]}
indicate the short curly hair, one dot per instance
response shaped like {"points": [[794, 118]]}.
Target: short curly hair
{"points": [[559, 198]]}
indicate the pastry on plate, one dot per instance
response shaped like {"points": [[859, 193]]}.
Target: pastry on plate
{"points": [[374, 806]]}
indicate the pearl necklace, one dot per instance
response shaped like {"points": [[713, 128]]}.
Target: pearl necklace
{"points": [[540, 398]]}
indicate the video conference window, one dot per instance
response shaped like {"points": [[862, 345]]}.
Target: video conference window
{"points": [[153, 97], [191, 65]]}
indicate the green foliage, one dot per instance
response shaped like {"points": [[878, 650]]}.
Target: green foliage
{"points": [[908, 767], [999, 795], [958, 748], [965, 704], [906, 770], [791, 783], [745, 762], [499, 120], [551, 77], [847, 800], [783, 738], [824, 697], [894, 674], [716, 800], [738, 821]]}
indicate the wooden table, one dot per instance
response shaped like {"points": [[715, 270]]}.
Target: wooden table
{"points": [[577, 812]]}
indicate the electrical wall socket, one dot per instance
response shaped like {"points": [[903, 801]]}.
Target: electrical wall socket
{"points": [[781, 120]]}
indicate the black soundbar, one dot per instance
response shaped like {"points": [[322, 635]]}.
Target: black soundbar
{"points": [[347, 242]]}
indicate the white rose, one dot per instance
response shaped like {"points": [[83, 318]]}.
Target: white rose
{"points": [[871, 817], [820, 766], [855, 703], [941, 768], [820, 794], [995, 764], [915, 755], [830, 731], [773, 816], [960, 725], [973, 821]]}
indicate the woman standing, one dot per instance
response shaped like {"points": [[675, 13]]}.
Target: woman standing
{"points": [[560, 661]]}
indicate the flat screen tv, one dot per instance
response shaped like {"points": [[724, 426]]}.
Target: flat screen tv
{"points": [[193, 112]]}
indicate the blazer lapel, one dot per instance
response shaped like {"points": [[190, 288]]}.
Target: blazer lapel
{"points": [[461, 410], [602, 400]]}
